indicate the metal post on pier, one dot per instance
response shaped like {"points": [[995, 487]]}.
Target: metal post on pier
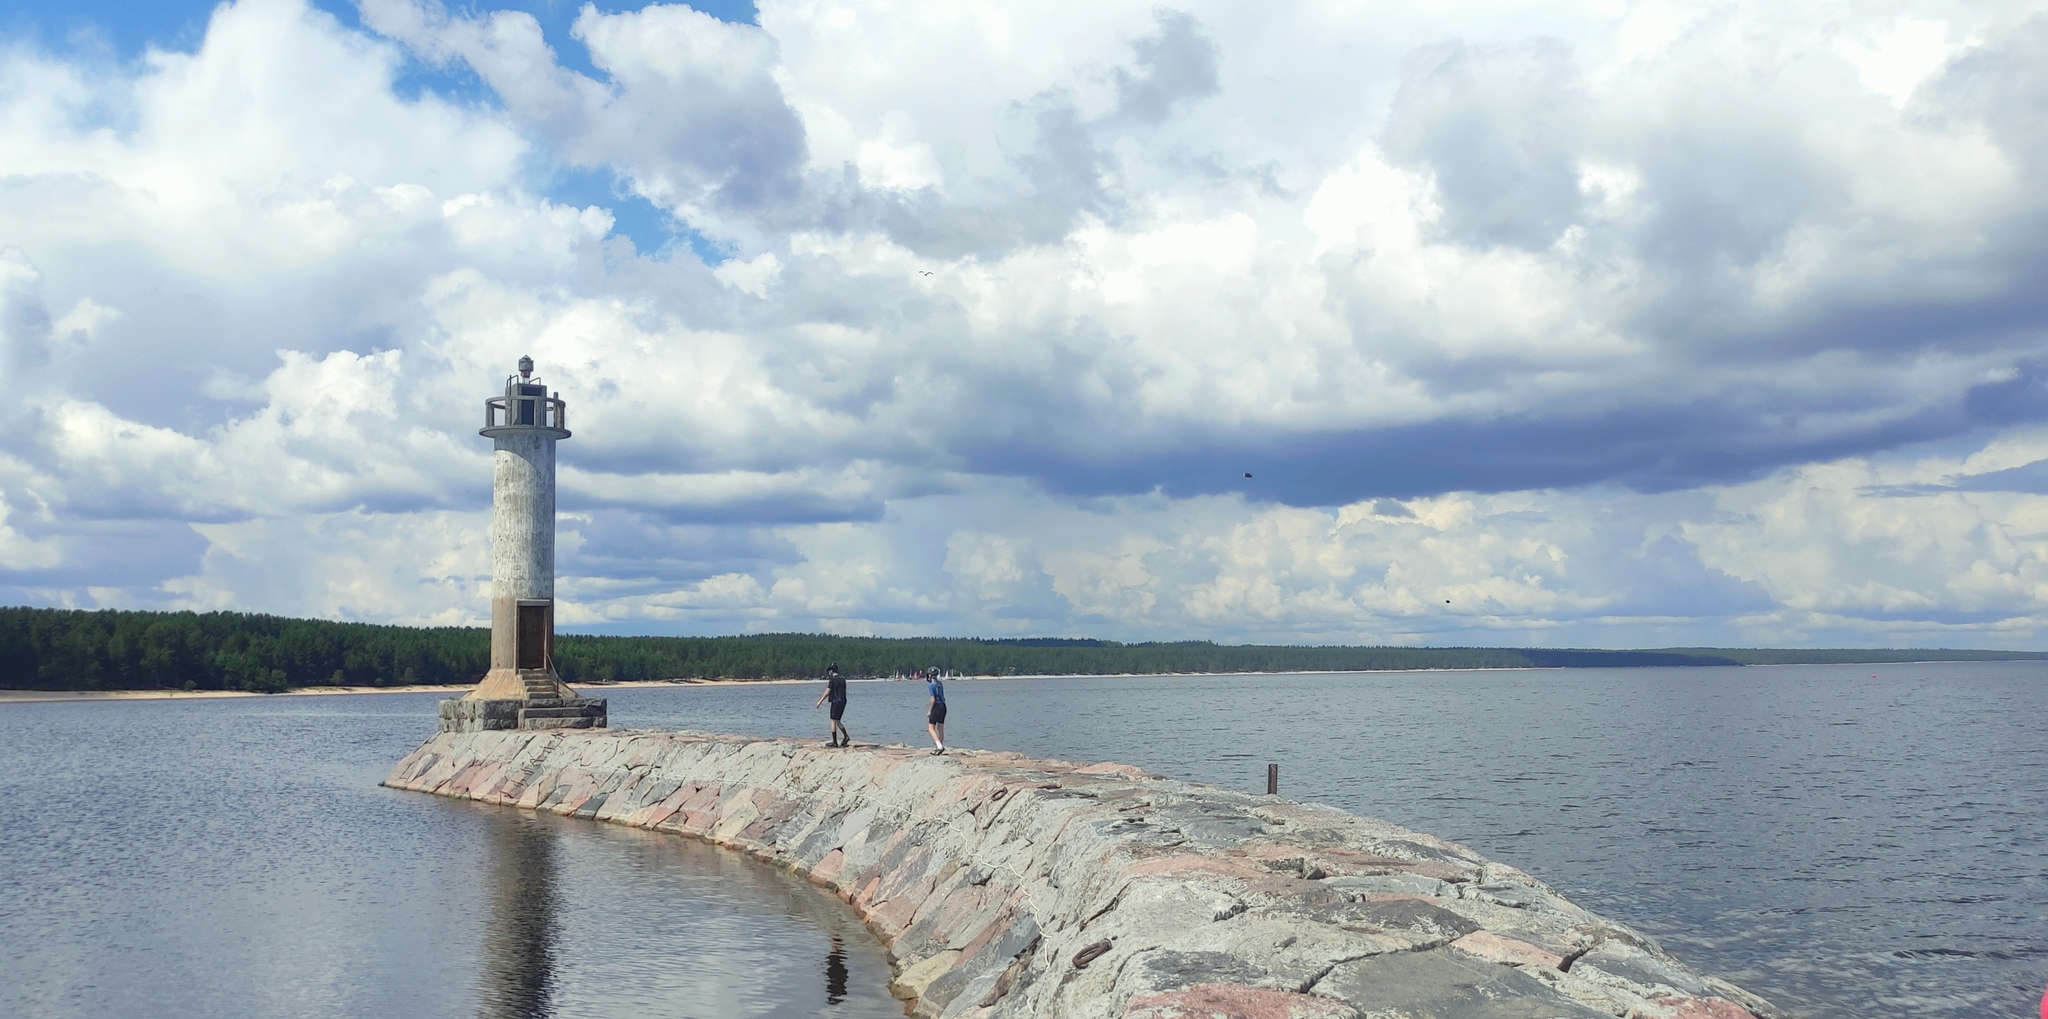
{"points": [[1272, 780]]}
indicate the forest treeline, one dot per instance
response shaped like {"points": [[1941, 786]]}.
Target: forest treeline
{"points": [[63, 649]]}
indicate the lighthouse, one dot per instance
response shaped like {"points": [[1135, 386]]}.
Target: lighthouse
{"points": [[523, 690]]}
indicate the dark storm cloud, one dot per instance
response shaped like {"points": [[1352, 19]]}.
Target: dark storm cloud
{"points": [[1646, 448]]}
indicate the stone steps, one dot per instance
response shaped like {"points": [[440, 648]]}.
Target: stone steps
{"points": [[583, 713], [464, 715]]}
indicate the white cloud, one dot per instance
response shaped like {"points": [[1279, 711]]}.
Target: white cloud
{"points": [[1560, 323], [1840, 539], [1897, 63], [752, 276], [422, 569]]}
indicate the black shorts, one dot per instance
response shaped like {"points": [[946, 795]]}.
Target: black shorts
{"points": [[838, 708], [938, 715]]}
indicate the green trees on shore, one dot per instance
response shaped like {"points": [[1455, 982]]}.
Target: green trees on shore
{"points": [[58, 649], [62, 649]]}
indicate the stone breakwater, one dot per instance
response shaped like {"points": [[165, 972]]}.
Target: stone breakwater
{"points": [[1011, 887]]}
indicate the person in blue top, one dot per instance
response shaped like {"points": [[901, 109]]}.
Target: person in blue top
{"points": [[835, 691], [935, 719]]}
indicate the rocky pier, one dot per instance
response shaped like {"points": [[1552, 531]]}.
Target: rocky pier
{"points": [[1010, 887]]}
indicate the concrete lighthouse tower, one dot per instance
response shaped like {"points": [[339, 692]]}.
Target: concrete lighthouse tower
{"points": [[523, 690]]}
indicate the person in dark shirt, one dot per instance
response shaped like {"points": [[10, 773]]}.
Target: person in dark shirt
{"points": [[835, 691], [935, 718]]}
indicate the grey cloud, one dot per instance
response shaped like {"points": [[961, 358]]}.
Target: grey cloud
{"points": [[1666, 577], [1647, 447], [1175, 66], [689, 110], [627, 545], [25, 325], [2031, 478], [800, 508], [1062, 178], [734, 144], [2028, 479], [1496, 126], [1063, 171], [2002, 84], [135, 556], [1720, 196]]}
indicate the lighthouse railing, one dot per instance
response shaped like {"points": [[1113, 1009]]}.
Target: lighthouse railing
{"points": [[526, 412]]}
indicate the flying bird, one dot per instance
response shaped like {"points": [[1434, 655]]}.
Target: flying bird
{"points": [[924, 272], [1247, 474]]}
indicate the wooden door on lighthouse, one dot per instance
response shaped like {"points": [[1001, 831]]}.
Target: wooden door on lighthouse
{"points": [[531, 638]]}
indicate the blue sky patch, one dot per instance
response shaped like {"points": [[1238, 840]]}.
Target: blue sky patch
{"points": [[127, 27], [653, 231]]}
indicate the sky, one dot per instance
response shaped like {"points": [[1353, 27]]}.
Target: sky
{"points": [[1478, 322]]}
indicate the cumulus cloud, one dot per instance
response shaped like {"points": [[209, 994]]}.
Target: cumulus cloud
{"points": [[1676, 324]]}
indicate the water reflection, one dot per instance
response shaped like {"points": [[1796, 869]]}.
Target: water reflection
{"points": [[519, 948], [713, 934], [835, 973], [294, 886]]}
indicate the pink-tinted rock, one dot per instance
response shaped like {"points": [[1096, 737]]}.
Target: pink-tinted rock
{"points": [[1188, 864], [1112, 768], [827, 871], [1507, 951], [989, 873], [1235, 1001], [1691, 1008]]}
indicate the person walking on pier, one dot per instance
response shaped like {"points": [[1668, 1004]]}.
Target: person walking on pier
{"points": [[835, 691], [935, 718]]}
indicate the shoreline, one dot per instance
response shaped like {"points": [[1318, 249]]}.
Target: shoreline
{"points": [[47, 696]]}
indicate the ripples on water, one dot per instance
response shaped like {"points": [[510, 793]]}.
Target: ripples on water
{"points": [[152, 867], [1847, 845]]}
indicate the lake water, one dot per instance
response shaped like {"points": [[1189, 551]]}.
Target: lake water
{"points": [[152, 868], [1846, 844]]}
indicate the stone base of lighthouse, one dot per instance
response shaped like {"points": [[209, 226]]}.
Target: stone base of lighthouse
{"points": [[522, 699], [466, 715]]}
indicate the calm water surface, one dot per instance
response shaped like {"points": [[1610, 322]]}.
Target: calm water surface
{"points": [[150, 868], [1845, 844]]}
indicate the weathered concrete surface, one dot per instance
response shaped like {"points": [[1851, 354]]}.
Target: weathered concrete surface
{"points": [[1018, 888], [468, 714], [522, 539]]}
